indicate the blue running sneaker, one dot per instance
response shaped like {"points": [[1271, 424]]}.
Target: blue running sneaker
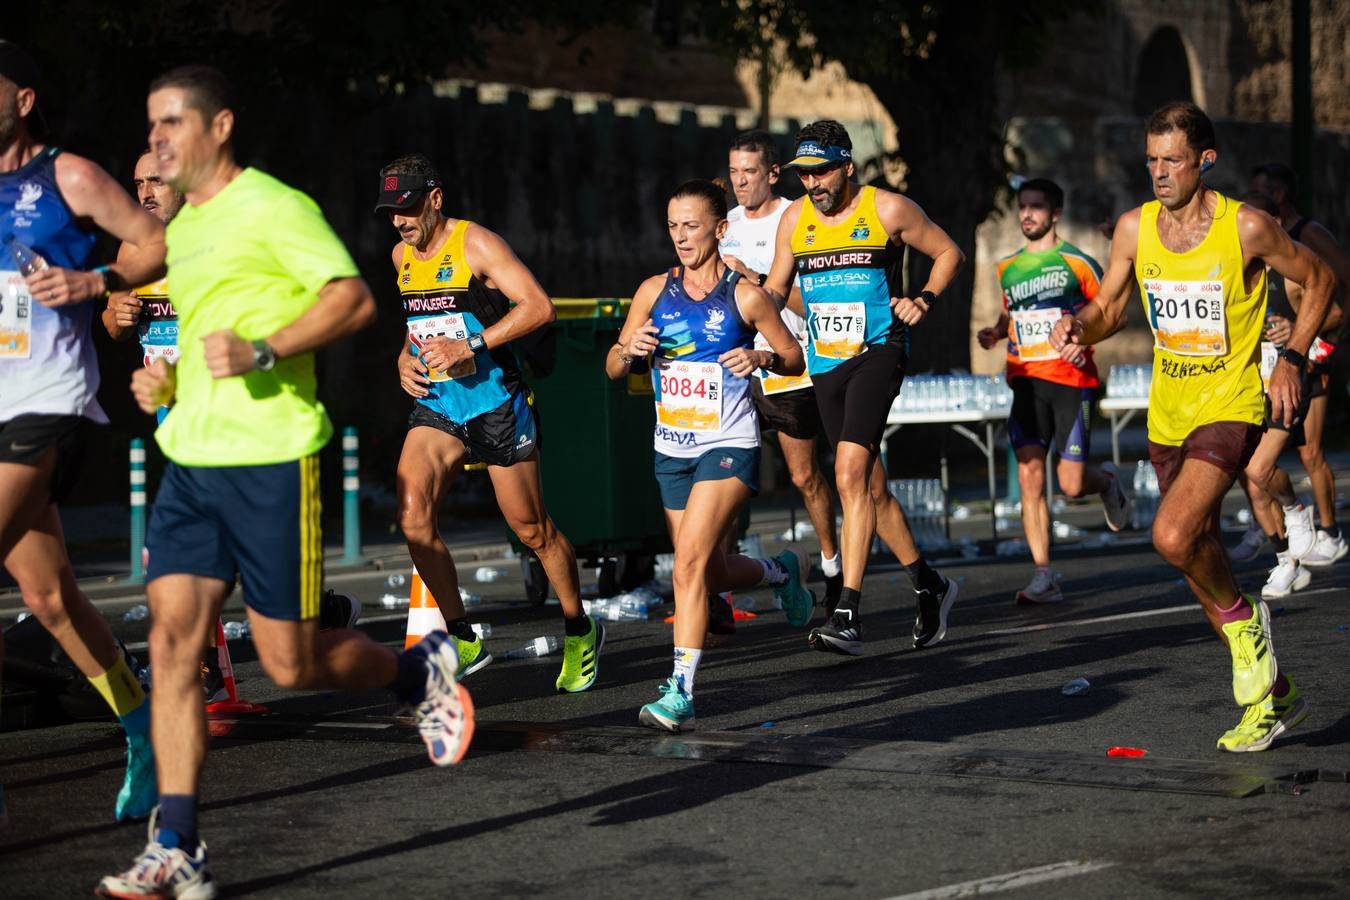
{"points": [[798, 603], [445, 715], [140, 791], [673, 712], [162, 871]]}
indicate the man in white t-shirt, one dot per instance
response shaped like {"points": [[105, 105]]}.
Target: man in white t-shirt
{"points": [[786, 404]]}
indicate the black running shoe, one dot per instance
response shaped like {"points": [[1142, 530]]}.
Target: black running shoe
{"points": [[213, 682], [842, 633], [721, 617], [930, 625], [338, 611], [834, 584]]}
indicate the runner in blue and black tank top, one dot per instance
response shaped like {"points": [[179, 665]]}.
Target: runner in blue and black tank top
{"points": [[466, 298], [843, 242], [698, 322], [48, 379]]}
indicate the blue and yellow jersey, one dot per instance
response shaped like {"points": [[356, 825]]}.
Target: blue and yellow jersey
{"points": [[848, 274], [442, 297]]}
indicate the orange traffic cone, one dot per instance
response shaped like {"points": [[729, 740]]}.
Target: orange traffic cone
{"points": [[424, 616], [233, 705]]}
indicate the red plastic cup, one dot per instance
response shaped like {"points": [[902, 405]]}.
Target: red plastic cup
{"points": [[1126, 751]]}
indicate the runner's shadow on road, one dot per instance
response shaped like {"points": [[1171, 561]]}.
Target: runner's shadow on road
{"points": [[645, 798]]}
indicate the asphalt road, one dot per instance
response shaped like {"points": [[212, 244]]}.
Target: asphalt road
{"points": [[952, 771]]}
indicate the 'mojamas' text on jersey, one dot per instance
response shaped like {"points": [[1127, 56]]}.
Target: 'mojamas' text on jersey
{"points": [[699, 403], [47, 361], [443, 297], [1038, 289], [846, 272], [1206, 327], [157, 329]]}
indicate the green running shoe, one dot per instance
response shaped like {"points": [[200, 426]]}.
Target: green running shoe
{"points": [[140, 791], [581, 660], [1263, 722], [1253, 654], [674, 711], [472, 655], [798, 603]]}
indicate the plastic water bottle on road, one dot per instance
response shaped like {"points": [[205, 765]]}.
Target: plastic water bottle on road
{"points": [[540, 646], [138, 613]]}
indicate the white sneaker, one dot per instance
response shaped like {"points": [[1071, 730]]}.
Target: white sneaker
{"points": [[1325, 551], [1115, 502], [1298, 526], [1287, 576], [1044, 588], [1252, 543]]}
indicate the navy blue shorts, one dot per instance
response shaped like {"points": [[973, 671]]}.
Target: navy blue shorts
{"points": [[676, 475], [258, 522]]}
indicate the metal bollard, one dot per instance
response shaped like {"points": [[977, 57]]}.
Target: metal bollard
{"points": [[351, 496], [137, 511]]}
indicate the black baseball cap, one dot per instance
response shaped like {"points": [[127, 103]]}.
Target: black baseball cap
{"points": [[402, 191], [17, 66]]}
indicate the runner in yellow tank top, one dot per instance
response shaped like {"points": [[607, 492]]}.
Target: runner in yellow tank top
{"points": [[1200, 261]]}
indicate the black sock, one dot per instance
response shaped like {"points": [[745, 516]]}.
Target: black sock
{"points": [[578, 627], [850, 600], [410, 684], [178, 822], [1281, 543], [461, 629], [923, 577]]}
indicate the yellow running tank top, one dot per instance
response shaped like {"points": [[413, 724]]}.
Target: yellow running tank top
{"points": [[1206, 328]]}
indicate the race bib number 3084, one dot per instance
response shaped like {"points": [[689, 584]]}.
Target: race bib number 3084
{"points": [[691, 396], [1187, 317]]}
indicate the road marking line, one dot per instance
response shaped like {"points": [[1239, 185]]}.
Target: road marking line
{"points": [[1008, 882], [1071, 623]]}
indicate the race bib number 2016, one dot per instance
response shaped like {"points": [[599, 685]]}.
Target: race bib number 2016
{"points": [[1187, 317], [691, 396], [838, 329], [1033, 327]]}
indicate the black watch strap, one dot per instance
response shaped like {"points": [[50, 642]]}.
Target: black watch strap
{"points": [[1294, 358], [929, 298], [477, 343], [761, 277]]}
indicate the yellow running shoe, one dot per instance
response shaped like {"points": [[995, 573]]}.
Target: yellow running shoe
{"points": [[581, 660], [1253, 654], [473, 655], [1263, 722]]}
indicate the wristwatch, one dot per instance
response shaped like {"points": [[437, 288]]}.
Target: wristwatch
{"points": [[774, 361], [264, 357], [1294, 358], [476, 342], [928, 297], [761, 277]]}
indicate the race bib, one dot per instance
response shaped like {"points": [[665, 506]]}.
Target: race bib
{"points": [[16, 316], [838, 329], [1269, 356], [449, 326], [166, 352], [781, 384], [1033, 327], [690, 398], [1188, 317]]}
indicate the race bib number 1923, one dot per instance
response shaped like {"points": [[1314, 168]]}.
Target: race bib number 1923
{"points": [[1033, 327], [1187, 317]]}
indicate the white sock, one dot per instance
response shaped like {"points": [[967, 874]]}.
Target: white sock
{"points": [[686, 665], [775, 573], [829, 566]]}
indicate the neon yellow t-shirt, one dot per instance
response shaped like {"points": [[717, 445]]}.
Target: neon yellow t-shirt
{"points": [[251, 259]]}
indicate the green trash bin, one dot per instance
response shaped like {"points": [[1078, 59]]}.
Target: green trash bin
{"points": [[596, 453]]}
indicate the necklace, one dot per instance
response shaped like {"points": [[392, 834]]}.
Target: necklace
{"points": [[703, 291]]}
